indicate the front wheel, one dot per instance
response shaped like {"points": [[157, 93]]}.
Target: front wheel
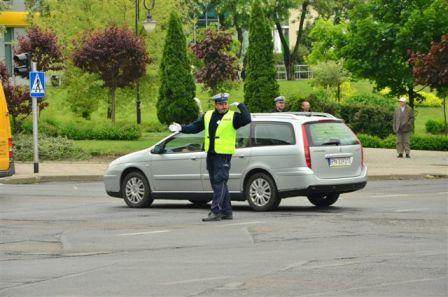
{"points": [[135, 190], [261, 192], [323, 200]]}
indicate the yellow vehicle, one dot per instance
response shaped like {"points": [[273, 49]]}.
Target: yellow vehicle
{"points": [[6, 153]]}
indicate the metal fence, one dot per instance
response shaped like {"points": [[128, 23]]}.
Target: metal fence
{"points": [[300, 72]]}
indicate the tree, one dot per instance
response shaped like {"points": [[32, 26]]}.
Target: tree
{"points": [[260, 85], [218, 65], [331, 74], [327, 39], [17, 98], [177, 89], [116, 55], [431, 70], [383, 33], [43, 46]]}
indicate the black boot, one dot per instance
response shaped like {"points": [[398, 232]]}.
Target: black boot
{"points": [[408, 156], [400, 156], [212, 217], [227, 216]]}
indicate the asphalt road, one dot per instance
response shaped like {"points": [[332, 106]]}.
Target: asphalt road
{"points": [[70, 239]]}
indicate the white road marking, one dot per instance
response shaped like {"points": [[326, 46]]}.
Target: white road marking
{"points": [[441, 193], [240, 224], [195, 280], [144, 233], [411, 209], [390, 195]]}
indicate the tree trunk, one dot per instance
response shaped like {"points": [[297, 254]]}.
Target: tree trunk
{"points": [[112, 97], [286, 52], [338, 93], [239, 32], [295, 52]]}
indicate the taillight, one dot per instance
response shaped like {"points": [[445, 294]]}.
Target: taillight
{"points": [[362, 151], [306, 147], [10, 146]]}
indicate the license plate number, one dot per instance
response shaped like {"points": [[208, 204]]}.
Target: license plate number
{"points": [[340, 162]]}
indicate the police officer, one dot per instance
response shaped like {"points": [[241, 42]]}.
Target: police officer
{"points": [[220, 127], [280, 105]]}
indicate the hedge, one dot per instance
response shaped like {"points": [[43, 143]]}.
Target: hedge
{"points": [[83, 130], [418, 142], [50, 148], [435, 127]]}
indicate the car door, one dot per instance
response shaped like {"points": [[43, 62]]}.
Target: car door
{"points": [[238, 164], [177, 168]]}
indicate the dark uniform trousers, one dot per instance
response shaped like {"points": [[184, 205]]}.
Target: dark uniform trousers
{"points": [[218, 167]]}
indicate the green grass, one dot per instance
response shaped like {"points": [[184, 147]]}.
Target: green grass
{"points": [[423, 114]]}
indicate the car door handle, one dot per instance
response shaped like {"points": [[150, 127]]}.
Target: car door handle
{"points": [[241, 156], [193, 158]]}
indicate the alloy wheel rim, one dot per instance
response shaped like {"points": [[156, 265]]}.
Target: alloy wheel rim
{"points": [[135, 190], [260, 192]]}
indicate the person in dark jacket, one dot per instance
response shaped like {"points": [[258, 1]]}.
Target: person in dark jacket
{"points": [[280, 104], [220, 127]]}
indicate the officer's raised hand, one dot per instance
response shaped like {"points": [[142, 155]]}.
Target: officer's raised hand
{"points": [[175, 127], [234, 104]]}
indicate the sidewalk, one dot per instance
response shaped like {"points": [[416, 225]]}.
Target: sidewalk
{"points": [[382, 164]]}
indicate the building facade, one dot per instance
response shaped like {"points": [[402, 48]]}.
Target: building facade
{"points": [[13, 20]]}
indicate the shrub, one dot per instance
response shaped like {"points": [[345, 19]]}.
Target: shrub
{"points": [[435, 127], [370, 99], [177, 87], [331, 74], [319, 102], [81, 130], [418, 142], [367, 119], [429, 100], [50, 148], [260, 85]]}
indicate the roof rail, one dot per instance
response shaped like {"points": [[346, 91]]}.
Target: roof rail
{"points": [[296, 113]]}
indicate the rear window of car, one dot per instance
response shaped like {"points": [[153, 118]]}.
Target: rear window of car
{"points": [[330, 133], [273, 133]]}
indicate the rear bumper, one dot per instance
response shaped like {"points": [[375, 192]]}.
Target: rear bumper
{"points": [[11, 171], [339, 188]]}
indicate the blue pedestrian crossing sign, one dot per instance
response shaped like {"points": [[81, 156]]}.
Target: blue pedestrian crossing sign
{"points": [[37, 84]]}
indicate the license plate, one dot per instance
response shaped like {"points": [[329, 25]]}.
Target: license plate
{"points": [[340, 162]]}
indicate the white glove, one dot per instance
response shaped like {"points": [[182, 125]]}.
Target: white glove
{"points": [[234, 104], [175, 127]]}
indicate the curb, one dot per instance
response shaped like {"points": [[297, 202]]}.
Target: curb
{"points": [[94, 178], [50, 178]]}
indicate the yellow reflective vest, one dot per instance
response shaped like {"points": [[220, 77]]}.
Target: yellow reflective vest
{"points": [[225, 137]]}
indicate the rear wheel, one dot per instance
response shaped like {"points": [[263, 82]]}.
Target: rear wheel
{"points": [[135, 190], [261, 192], [323, 200]]}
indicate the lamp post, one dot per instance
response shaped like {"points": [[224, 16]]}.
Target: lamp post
{"points": [[149, 25]]}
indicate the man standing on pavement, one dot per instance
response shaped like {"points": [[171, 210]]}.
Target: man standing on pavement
{"points": [[220, 127], [402, 126], [280, 105]]}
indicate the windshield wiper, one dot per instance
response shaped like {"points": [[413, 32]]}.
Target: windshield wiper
{"points": [[332, 142]]}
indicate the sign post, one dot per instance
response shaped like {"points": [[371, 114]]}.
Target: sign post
{"points": [[37, 90]]}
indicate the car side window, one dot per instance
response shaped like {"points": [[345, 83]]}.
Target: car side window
{"points": [[243, 137], [184, 143], [273, 134]]}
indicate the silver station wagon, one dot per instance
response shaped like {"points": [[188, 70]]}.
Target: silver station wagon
{"points": [[278, 155]]}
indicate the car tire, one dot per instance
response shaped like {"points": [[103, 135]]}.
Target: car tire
{"points": [[323, 200], [199, 203], [136, 191], [261, 192]]}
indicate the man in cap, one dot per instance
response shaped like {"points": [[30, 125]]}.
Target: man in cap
{"points": [[402, 125], [220, 127], [280, 105]]}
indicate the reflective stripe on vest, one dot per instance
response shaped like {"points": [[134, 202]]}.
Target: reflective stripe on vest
{"points": [[225, 137]]}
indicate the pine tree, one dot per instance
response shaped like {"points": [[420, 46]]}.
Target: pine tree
{"points": [[177, 88], [260, 86]]}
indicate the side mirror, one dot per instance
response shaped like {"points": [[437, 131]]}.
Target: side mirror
{"points": [[158, 149]]}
